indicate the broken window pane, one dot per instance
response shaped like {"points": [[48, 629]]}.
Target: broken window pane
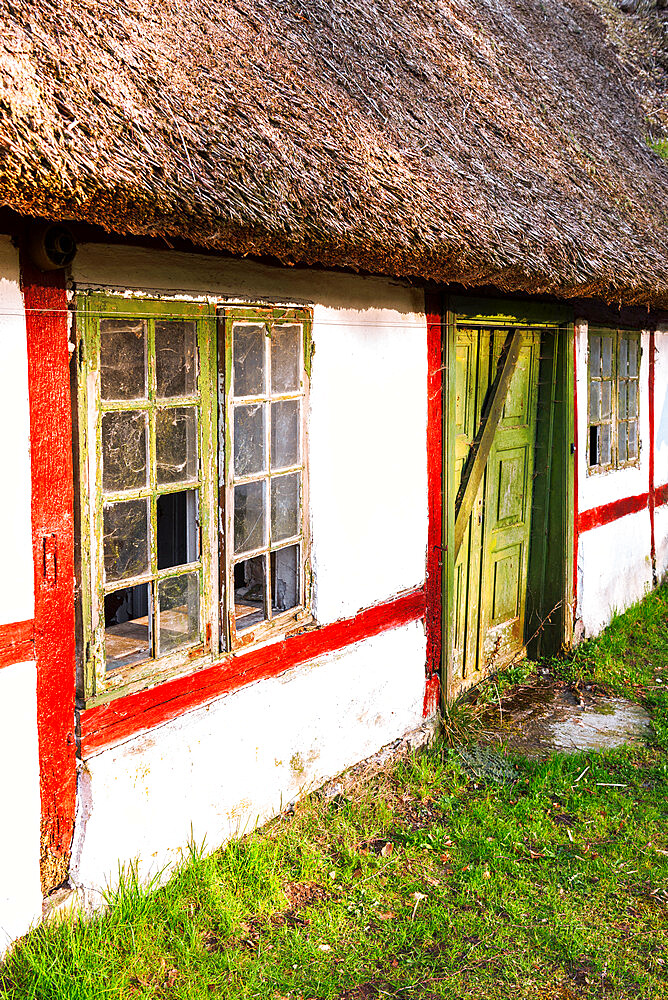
{"points": [[178, 535], [124, 464], [249, 592], [285, 446], [123, 358], [127, 624], [178, 612], [285, 506], [248, 354], [285, 358], [594, 402], [593, 445], [249, 439], [175, 358], [249, 516], [285, 579], [125, 539], [176, 444]]}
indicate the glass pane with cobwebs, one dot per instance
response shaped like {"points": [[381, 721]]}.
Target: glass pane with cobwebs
{"points": [[124, 463], [285, 511], [126, 533], [594, 402], [606, 356], [606, 400], [285, 433], [176, 444], [622, 399], [605, 444], [595, 356], [178, 612], [623, 360], [286, 357], [632, 398], [632, 440], [622, 452], [175, 357], [123, 358], [633, 356], [249, 439], [249, 516], [248, 351]]}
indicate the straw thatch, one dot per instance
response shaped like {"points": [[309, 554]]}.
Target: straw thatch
{"points": [[478, 141]]}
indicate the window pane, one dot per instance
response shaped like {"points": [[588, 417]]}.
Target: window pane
{"points": [[594, 402], [605, 443], [249, 592], [249, 516], [621, 442], [594, 435], [178, 612], [249, 440], [175, 357], [285, 445], [176, 444], [285, 579], [125, 539], [595, 356], [123, 359], [606, 400], [285, 358], [623, 360], [127, 624], [633, 440], [621, 399], [633, 399], [248, 352], [178, 537], [285, 506], [606, 356], [124, 464], [633, 356]]}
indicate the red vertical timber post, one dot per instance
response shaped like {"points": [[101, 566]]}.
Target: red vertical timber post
{"points": [[435, 553], [45, 301], [652, 494]]}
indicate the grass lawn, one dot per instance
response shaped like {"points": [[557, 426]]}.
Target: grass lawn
{"points": [[429, 878]]}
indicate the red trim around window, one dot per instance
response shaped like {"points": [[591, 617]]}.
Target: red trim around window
{"points": [[433, 587], [124, 717], [45, 301]]}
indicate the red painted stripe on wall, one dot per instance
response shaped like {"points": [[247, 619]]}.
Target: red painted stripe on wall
{"points": [[608, 512], [45, 302], [433, 587], [126, 716], [16, 643]]}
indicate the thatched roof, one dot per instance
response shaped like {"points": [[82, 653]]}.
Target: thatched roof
{"points": [[477, 141]]}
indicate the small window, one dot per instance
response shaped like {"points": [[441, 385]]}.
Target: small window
{"points": [[263, 404], [614, 365], [191, 542]]}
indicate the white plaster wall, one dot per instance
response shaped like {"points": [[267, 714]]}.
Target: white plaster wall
{"points": [[216, 772], [661, 445], [368, 421], [16, 583], [20, 892], [614, 563]]}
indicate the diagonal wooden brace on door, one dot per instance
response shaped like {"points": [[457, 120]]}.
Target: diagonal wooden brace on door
{"points": [[482, 444]]}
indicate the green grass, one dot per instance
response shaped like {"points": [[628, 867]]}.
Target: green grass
{"points": [[436, 877], [660, 146]]}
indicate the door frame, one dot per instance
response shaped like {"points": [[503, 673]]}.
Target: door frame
{"points": [[507, 313]]}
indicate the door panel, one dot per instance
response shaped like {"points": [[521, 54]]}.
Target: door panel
{"points": [[491, 567]]}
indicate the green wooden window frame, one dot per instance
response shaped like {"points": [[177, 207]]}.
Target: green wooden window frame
{"points": [[188, 606], [261, 564], [613, 391]]}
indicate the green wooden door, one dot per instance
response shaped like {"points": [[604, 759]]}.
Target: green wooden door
{"points": [[491, 567]]}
